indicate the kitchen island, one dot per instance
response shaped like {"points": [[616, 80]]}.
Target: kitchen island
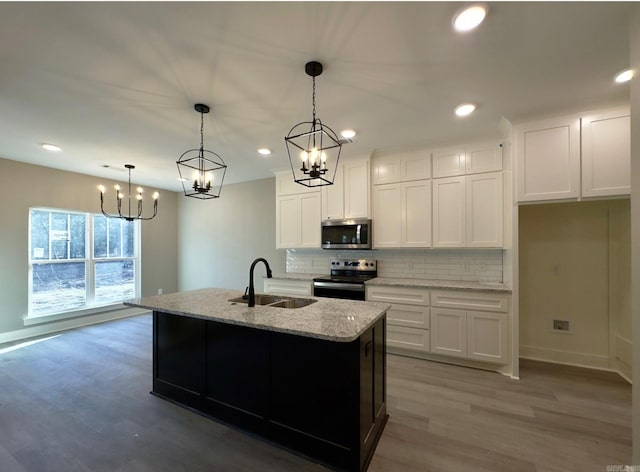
{"points": [[311, 379]]}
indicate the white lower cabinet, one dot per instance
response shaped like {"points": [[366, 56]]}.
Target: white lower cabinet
{"points": [[407, 319], [449, 332], [487, 336], [466, 328], [454, 323], [288, 286]]}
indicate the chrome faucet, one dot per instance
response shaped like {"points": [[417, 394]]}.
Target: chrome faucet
{"points": [[252, 293]]}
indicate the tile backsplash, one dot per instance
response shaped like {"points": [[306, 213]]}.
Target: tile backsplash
{"points": [[470, 265]]}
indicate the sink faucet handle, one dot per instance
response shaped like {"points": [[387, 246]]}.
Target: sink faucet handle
{"points": [[245, 296]]}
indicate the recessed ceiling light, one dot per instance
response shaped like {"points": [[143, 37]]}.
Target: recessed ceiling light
{"points": [[465, 109], [51, 147], [264, 151], [624, 76], [347, 133], [469, 17]]}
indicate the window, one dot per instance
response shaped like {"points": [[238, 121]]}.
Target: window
{"points": [[80, 260]]}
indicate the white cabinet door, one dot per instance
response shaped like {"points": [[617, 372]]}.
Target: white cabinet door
{"points": [[548, 159], [298, 221], [483, 157], [310, 219], [356, 189], [402, 167], [333, 198], [484, 225], [449, 162], [287, 221], [606, 153], [487, 336], [415, 165], [449, 212], [386, 170], [449, 332], [387, 215], [416, 214], [286, 185]]}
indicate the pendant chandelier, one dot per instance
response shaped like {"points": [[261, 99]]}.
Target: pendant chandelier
{"points": [[120, 196], [313, 147], [201, 171]]}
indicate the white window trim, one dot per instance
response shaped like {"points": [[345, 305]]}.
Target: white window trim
{"points": [[37, 318]]}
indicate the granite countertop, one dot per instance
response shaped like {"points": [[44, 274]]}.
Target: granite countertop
{"points": [[441, 284], [330, 319]]}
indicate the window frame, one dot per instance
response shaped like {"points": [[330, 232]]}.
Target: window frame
{"points": [[90, 306]]}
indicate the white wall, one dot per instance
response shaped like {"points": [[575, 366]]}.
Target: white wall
{"points": [[218, 239], [571, 268], [635, 224], [23, 186]]}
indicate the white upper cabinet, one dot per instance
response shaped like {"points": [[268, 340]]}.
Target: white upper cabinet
{"points": [[484, 215], [298, 220], [449, 162], [449, 208], [483, 157], [387, 215], [548, 159], [401, 167], [348, 197], [416, 218], [356, 189], [333, 198], [606, 153], [298, 213], [585, 155], [402, 214], [285, 185], [468, 211], [468, 159]]}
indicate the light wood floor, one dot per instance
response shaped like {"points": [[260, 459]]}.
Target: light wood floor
{"points": [[80, 402]]}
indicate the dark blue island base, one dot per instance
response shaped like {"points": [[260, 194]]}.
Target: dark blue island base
{"points": [[322, 399]]}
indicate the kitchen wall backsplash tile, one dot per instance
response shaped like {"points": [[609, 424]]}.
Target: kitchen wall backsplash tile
{"points": [[469, 265]]}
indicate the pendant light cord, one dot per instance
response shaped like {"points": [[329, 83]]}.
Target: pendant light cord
{"points": [[314, 100]]}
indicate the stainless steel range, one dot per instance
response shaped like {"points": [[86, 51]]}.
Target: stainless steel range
{"points": [[347, 278]]}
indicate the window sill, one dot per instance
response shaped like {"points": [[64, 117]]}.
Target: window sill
{"points": [[39, 319]]}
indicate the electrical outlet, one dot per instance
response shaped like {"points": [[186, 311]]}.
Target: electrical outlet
{"points": [[160, 291], [561, 325]]}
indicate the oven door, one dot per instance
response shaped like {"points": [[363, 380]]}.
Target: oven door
{"points": [[347, 291]]}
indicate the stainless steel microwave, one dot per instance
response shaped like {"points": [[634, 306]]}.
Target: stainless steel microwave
{"points": [[346, 234]]}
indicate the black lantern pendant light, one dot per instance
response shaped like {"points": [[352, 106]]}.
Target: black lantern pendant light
{"points": [[201, 171], [313, 147], [120, 196]]}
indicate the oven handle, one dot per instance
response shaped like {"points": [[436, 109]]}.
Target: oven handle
{"points": [[354, 287]]}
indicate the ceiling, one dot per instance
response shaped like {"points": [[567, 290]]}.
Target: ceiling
{"points": [[115, 83]]}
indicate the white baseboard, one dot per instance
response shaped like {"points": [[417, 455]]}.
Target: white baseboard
{"points": [[579, 359], [56, 326]]}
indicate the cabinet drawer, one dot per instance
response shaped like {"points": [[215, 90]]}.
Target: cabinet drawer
{"points": [[409, 295], [470, 300], [408, 338], [287, 287], [412, 316]]}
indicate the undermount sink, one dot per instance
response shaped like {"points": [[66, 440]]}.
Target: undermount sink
{"points": [[277, 301]]}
